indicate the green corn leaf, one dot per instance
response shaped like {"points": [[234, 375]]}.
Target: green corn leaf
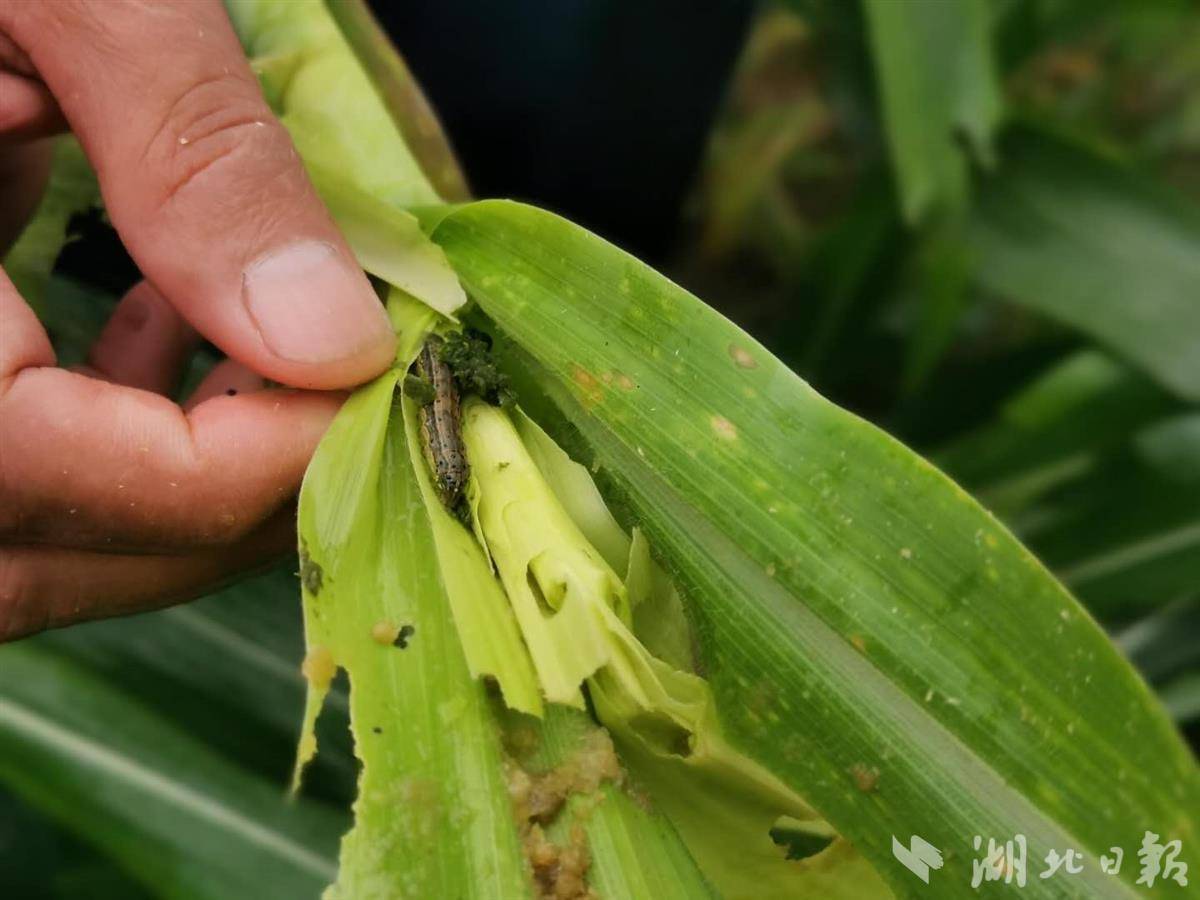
{"points": [[1125, 534], [388, 242], [368, 572], [164, 660], [635, 850], [432, 816], [1182, 697], [936, 81], [482, 615], [1090, 244], [559, 586], [1094, 465], [180, 819], [656, 609], [312, 79], [1164, 644], [1086, 405], [855, 612], [356, 157], [940, 281], [410, 111], [41, 859], [723, 805]]}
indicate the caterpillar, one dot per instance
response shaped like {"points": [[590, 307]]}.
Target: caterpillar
{"points": [[441, 438]]}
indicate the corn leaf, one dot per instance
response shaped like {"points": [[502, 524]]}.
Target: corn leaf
{"points": [[432, 816], [855, 612], [1086, 404], [936, 83], [1163, 644], [356, 156], [1094, 465], [411, 113], [1125, 534], [185, 822], [576, 620], [164, 660], [482, 615], [1090, 244], [636, 852], [41, 859], [1182, 697], [388, 242], [311, 77]]}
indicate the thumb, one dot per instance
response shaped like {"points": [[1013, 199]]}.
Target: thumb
{"points": [[204, 186]]}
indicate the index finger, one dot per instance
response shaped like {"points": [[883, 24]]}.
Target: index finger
{"points": [[88, 463], [204, 186]]}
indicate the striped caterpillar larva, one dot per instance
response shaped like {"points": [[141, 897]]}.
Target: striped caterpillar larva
{"points": [[441, 438]]}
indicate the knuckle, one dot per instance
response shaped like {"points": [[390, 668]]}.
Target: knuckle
{"points": [[22, 610], [213, 121]]}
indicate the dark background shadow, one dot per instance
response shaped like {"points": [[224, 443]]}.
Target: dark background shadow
{"points": [[596, 109]]}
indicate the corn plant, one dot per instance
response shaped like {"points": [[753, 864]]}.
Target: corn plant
{"points": [[688, 629]]}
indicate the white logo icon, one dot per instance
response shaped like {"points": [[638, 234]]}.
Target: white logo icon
{"points": [[919, 857]]}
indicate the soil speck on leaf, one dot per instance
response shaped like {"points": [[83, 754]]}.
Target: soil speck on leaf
{"points": [[318, 667], [384, 632], [560, 869], [312, 576]]}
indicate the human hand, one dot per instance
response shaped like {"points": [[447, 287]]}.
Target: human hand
{"points": [[112, 497]]}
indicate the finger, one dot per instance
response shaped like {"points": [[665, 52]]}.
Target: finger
{"points": [[227, 379], [48, 587], [24, 170], [145, 343], [23, 341], [204, 186], [27, 109], [87, 463]]}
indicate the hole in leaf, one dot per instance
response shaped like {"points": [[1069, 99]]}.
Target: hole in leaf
{"points": [[535, 588], [799, 839]]}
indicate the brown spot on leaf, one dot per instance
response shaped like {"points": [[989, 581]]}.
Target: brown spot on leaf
{"points": [[866, 778], [591, 391], [723, 428], [742, 357]]}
